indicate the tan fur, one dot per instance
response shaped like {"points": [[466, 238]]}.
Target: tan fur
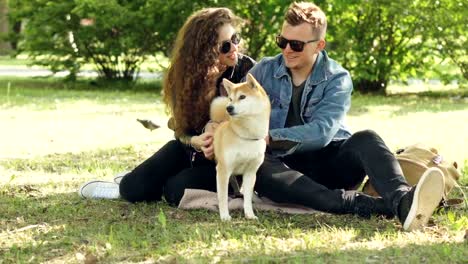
{"points": [[239, 144]]}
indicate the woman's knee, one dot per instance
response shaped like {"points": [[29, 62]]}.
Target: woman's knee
{"points": [[134, 191]]}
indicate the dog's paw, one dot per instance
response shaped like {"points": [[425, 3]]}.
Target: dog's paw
{"points": [[226, 218], [251, 217]]}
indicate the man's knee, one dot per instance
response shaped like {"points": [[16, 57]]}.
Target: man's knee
{"points": [[365, 136]]}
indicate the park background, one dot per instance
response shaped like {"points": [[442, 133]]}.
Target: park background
{"points": [[75, 76]]}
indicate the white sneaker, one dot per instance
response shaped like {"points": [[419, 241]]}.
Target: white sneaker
{"points": [[422, 200], [119, 176], [100, 190]]}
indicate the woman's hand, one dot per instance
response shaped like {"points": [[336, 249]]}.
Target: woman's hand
{"points": [[204, 142], [211, 127]]}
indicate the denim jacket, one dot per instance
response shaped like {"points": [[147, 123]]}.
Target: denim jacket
{"points": [[325, 101]]}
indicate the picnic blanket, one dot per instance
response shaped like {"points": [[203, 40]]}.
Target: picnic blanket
{"points": [[202, 199]]}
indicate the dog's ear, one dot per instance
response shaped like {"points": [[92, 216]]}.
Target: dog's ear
{"points": [[227, 85], [251, 81]]}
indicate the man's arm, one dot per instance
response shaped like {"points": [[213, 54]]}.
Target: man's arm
{"points": [[322, 125]]}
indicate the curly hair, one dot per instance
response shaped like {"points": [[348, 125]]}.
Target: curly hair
{"points": [[190, 82]]}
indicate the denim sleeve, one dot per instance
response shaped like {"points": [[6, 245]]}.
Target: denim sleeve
{"points": [[327, 116]]}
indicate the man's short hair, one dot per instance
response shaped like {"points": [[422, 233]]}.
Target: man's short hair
{"points": [[310, 13]]}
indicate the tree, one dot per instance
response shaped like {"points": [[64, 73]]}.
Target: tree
{"points": [[375, 40], [264, 19], [378, 40], [4, 27], [447, 21], [115, 36], [382, 40]]}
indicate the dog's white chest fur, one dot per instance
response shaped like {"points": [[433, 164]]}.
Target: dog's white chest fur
{"points": [[245, 156]]}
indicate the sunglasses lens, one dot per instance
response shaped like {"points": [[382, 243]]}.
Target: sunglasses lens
{"points": [[225, 47], [297, 46], [281, 42]]}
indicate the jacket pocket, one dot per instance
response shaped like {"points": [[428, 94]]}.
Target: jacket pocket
{"points": [[315, 97], [275, 102]]}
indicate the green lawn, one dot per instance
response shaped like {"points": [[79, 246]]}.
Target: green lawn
{"points": [[55, 136], [22, 61]]}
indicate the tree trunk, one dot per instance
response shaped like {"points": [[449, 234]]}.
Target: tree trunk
{"points": [[371, 86], [5, 47]]}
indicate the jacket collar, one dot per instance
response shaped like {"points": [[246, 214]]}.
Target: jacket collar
{"points": [[319, 74]]}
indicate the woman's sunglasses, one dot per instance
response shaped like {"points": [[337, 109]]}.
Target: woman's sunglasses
{"points": [[295, 45], [226, 45]]}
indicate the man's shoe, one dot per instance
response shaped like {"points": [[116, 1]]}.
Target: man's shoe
{"points": [[418, 205], [100, 190], [366, 205], [119, 176]]}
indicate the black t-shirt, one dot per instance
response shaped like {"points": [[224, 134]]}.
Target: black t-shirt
{"points": [[294, 113], [235, 73], [293, 118]]}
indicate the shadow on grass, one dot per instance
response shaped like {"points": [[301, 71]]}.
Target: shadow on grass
{"points": [[115, 159], [82, 84], [50, 95], [59, 226], [449, 252]]}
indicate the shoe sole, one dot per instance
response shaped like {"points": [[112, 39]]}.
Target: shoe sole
{"points": [[427, 196]]}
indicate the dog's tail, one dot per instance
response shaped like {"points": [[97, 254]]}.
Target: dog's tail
{"points": [[218, 111]]}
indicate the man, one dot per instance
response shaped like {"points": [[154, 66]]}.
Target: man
{"points": [[312, 159]]}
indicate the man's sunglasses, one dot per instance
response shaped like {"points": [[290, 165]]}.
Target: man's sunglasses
{"points": [[226, 45], [295, 45]]}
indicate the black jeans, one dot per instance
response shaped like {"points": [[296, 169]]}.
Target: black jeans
{"points": [[322, 179], [170, 171]]}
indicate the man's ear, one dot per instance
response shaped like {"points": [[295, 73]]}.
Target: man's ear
{"points": [[321, 45], [227, 85], [251, 81]]}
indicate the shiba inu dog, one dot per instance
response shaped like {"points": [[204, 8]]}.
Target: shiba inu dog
{"points": [[239, 143]]}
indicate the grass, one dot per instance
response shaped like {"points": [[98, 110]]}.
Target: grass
{"points": [[56, 135], [13, 62], [152, 63]]}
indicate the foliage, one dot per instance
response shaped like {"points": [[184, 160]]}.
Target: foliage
{"points": [[448, 38], [377, 41], [115, 36]]}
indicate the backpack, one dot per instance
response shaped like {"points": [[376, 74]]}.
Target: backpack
{"points": [[415, 160]]}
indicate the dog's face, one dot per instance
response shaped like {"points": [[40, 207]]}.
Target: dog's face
{"points": [[247, 98]]}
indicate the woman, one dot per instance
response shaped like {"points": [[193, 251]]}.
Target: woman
{"points": [[205, 52]]}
